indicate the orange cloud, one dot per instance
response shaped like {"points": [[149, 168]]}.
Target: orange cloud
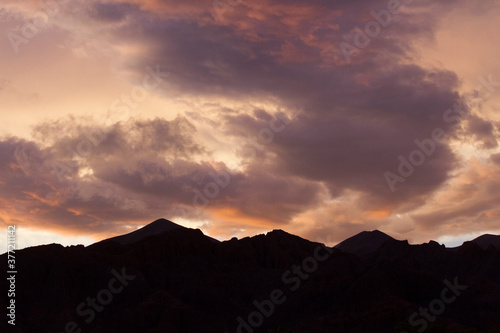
{"points": [[378, 214], [238, 218]]}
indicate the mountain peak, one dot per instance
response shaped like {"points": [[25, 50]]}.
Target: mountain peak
{"points": [[364, 242], [486, 240], [156, 227]]}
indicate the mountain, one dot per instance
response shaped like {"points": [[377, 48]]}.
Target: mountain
{"points": [[487, 240], [364, 243], [167, 278], [157, 227], [154, 228]]}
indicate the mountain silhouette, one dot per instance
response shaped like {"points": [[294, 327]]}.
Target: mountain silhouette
{"points": [[487, 240], [154, 228], [364, 243], [168, 278]]}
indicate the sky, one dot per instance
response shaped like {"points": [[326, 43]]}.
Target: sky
{"points": [[321, 118]]}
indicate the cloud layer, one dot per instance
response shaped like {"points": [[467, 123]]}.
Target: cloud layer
{"points": [[277, 126]]}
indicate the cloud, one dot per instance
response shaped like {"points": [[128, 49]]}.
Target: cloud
{"points": [[86, 177], [345, 122], [351, 121], [495, 158], [468, 203], [482, 131]]}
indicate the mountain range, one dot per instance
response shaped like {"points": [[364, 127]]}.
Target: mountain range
{"points": [[168, 278]]}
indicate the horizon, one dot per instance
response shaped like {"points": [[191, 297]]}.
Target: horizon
{"points": [[451, 244], [236, 118]]}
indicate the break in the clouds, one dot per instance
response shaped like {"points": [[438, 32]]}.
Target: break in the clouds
{"points": [[270, 114]]}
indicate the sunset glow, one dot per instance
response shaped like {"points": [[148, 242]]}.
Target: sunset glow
{"points": [[323, 119]]}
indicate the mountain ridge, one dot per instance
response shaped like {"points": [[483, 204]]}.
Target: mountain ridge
{"points": [[181, 281], [362, 243]]}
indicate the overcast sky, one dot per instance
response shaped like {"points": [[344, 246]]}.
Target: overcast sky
{"points": [[321, 118]]}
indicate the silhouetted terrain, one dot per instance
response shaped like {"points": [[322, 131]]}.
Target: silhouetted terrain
{"points": [[167, 278], [363, 243]]}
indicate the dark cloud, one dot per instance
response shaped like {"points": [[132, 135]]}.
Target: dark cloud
{"points": [[269, 194], [81, 175], [495, 158], [134, 171], [351, 121], [111, 12], [482, 131]]}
